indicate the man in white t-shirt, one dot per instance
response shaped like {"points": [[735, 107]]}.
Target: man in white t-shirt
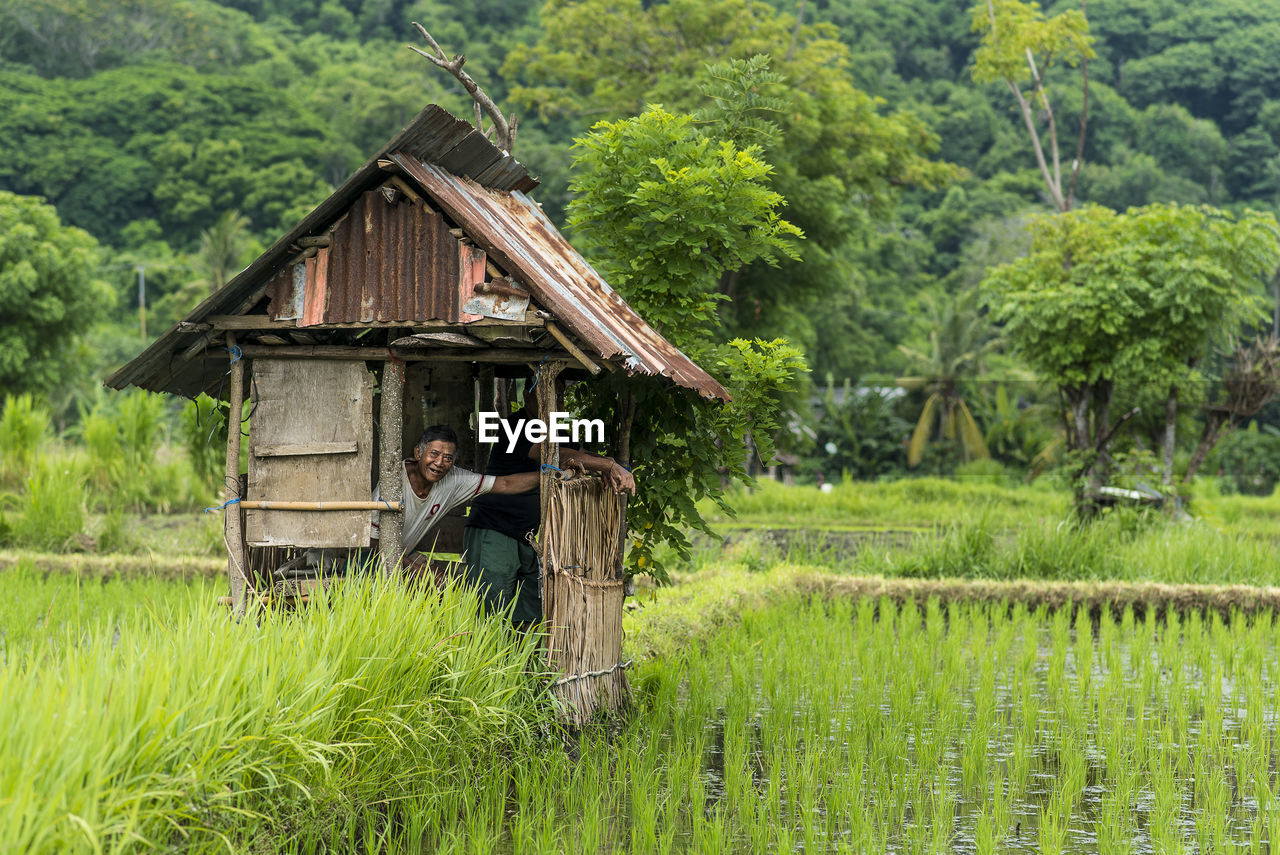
{"points": [[432, 487]]}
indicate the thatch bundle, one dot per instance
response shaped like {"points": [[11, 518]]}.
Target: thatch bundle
{"points": [[582, 595]]}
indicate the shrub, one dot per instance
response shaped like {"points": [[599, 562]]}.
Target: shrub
{"points": [[861, 434], [129, 464], [23, 426], [141, 421], [101, 437], [204, 434], [1247, 461], [115, 535], [51, 513]]}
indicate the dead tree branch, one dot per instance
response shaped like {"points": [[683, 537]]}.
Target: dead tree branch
{"points": [[795, 34], [1084, 122], [503, 129]]}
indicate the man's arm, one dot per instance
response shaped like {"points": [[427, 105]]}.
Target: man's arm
{"points": [[521, 482], [614, 473]]}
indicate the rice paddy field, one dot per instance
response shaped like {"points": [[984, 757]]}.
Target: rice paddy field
{"points": [[1008, 683], [834, 726]]}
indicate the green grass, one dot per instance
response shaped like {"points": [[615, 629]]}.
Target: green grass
{"points": [[137, 715], [917, 503], [40, 609], [779, 707], [927, 504], [1159, 551]]}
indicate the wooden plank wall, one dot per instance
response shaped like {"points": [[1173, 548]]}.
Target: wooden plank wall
{"points": [[311, 439]]}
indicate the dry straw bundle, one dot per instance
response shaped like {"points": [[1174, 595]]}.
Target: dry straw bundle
{"points": [[583, 593]]}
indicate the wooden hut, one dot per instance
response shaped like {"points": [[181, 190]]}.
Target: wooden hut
{"points": [[401, 301]]}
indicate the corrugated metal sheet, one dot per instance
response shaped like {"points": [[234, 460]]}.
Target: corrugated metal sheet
{"points": [[386, 261], [513, 229]]}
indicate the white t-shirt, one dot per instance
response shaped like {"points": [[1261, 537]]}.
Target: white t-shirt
{"points": [[456, 488]]}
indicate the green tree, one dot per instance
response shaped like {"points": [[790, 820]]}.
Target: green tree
{"points": [[49, 294], [163, 142], [664, 209], [668, 210], [1019, 46], [842, 158], [1137, 296]]}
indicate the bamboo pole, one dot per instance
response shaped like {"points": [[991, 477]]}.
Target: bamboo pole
{"points": [[344, 353], [233, 532], [627, 408], [391, 463], [573, 349], [274, 505]]}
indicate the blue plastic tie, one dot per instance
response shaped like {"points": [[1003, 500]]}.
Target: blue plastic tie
{"points": [[538, 373], [221, 506]]}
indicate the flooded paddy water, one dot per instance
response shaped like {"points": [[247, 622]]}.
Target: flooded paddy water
{"points": [[837, 726]]}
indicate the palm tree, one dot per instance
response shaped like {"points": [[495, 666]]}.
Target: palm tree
{"points": [[959, 340], [221, 248]]}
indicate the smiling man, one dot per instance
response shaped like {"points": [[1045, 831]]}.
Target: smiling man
{"points": [[432, 486]]}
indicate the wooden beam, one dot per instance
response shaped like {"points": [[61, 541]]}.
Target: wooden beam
{"points": [[252, 300], [568, 345], [379, 354], [403, 187], [391, 464], [237, 562], [262, 322], [194, 350], [267, 599]]}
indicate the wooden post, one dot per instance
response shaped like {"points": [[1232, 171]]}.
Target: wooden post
{"points": [[391, 463], [547, 404], [627, 411], [484, 403], [233, 533]]}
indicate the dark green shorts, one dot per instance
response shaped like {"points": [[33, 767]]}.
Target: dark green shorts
{"points": [[506, 572]]}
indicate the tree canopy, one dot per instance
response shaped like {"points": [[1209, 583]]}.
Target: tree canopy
{"points": [[146, 123], [49, 294], [666, 207], [1104, 297]]}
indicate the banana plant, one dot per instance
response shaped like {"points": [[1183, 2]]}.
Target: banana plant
{"points": [[959, 339]]}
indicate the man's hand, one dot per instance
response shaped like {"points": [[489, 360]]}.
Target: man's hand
{"points": [[619, 479], [613, 473]]}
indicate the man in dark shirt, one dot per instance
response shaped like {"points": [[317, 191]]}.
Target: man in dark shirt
{"points": [[498, 556]]}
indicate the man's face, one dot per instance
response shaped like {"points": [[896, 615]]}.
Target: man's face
{"points": [[435, 459]]}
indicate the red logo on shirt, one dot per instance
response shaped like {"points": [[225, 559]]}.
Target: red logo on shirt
{"points": [[434, 508]]}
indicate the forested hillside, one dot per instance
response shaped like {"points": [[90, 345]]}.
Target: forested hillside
{"points": [[185, 135]]}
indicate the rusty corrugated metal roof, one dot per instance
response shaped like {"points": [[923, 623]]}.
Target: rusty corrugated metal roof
{"points": [[512, 228], [434, 135], [488, 201]]}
